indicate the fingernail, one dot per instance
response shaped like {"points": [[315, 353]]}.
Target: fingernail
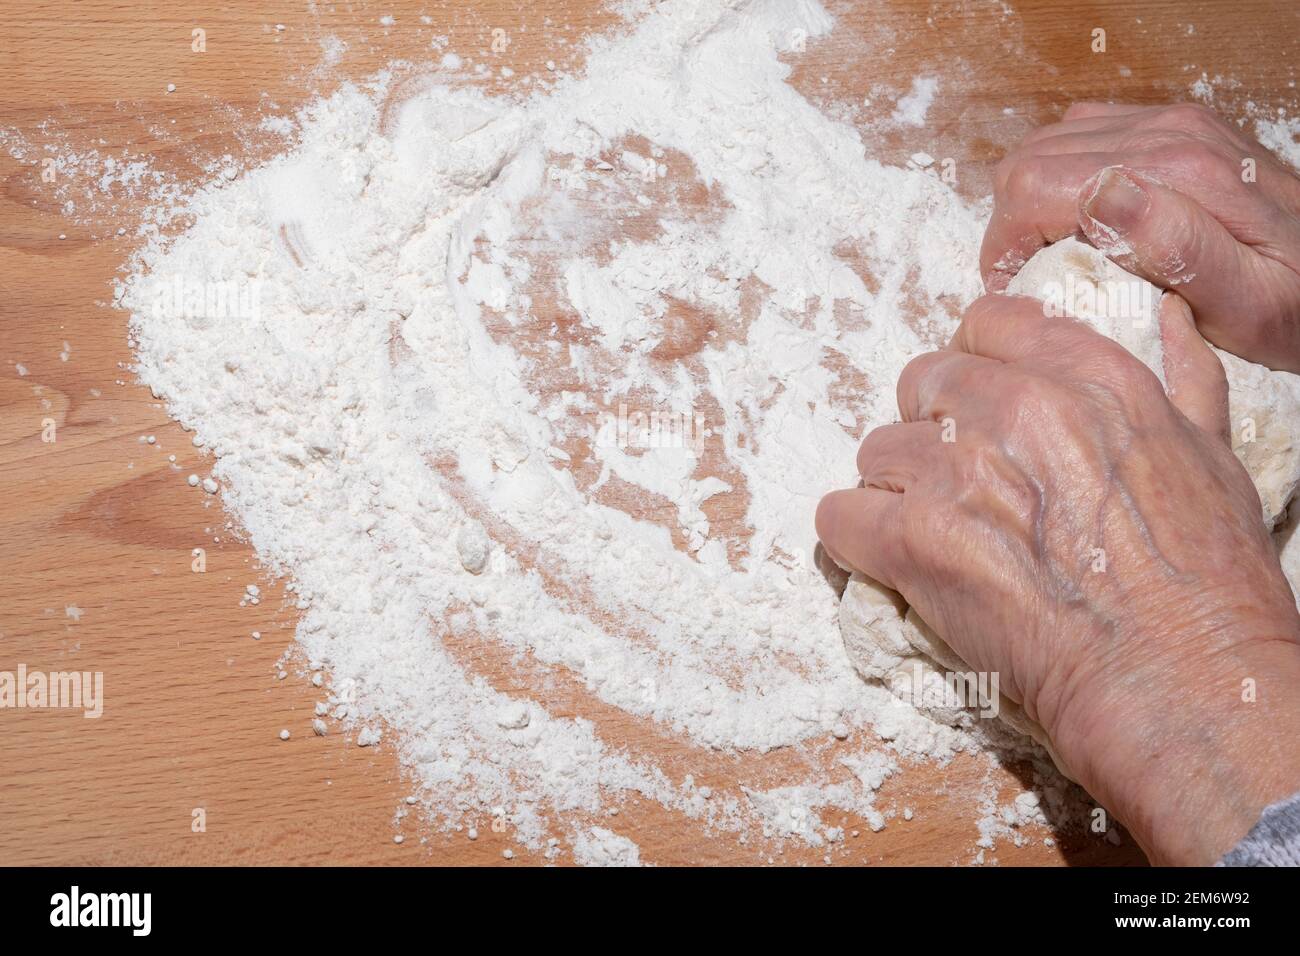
{"points": [[1117, 202]]}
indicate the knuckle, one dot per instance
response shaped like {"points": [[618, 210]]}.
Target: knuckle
{"points": [[1133, 378], [990, 312], [1041, 133], [1189, 117], [1202, 158], [1181, 158], [1114, 378], [1020, 175], [1002, 170], [1187, 241], [871, 447], [916, 366], [1098, 358], [912, 379], [983, 310], [1074, 336], [991, 475]]}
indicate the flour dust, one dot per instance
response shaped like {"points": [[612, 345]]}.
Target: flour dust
{"points": [[531, 402]]}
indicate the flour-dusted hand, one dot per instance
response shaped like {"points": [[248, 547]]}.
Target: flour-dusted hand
{"points": [[1058, 520], [1173, 194]]}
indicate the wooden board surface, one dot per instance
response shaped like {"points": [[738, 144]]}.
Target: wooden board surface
{"points": [[96, 530]]}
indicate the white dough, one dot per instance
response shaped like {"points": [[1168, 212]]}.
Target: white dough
{"points": [[887, 641]]}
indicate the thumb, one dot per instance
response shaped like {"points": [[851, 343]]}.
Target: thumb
{"points": [[1169, 239], [1194, 377]]}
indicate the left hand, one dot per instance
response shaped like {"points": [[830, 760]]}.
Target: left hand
{"points": [[1174, 194]]}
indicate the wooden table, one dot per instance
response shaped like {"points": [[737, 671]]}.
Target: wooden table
{"points": [[96, 530]]}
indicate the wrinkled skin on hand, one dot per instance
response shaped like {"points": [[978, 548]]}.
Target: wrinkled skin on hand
{"points": [[1058, 519], [1171, 193]]}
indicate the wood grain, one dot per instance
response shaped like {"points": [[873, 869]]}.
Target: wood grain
{"points": [[96, 529]]}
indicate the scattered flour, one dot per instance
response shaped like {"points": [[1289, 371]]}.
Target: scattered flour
{"points": [[1282, 136], [912, 108], [389, 434], [601, 847]]}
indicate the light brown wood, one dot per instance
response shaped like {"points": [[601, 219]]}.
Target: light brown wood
{"points": [[99, 522]]}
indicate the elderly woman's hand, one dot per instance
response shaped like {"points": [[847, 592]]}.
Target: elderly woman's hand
{"points": [[1057, 519], [1173, 194]]}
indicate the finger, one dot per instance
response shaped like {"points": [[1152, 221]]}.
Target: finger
{"points": [[1032, 190], [892, 456], [1036, 202], [1006, 328], [1089, 118], [931, 386], [1194, 376], [860, 529], [1086, 110], [1174, 242], [1079, 136]]}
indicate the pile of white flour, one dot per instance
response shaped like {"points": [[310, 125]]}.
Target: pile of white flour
{"points": [[343, 328]]}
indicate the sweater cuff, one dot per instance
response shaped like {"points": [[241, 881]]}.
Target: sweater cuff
{"points": [[1273, 841]]}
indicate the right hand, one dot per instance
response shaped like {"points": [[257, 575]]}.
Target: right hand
{"points": [[1098, 545], [1173, 194]]}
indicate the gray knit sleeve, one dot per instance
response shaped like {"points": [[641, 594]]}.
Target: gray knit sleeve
{"points": [[1273, 841]]}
